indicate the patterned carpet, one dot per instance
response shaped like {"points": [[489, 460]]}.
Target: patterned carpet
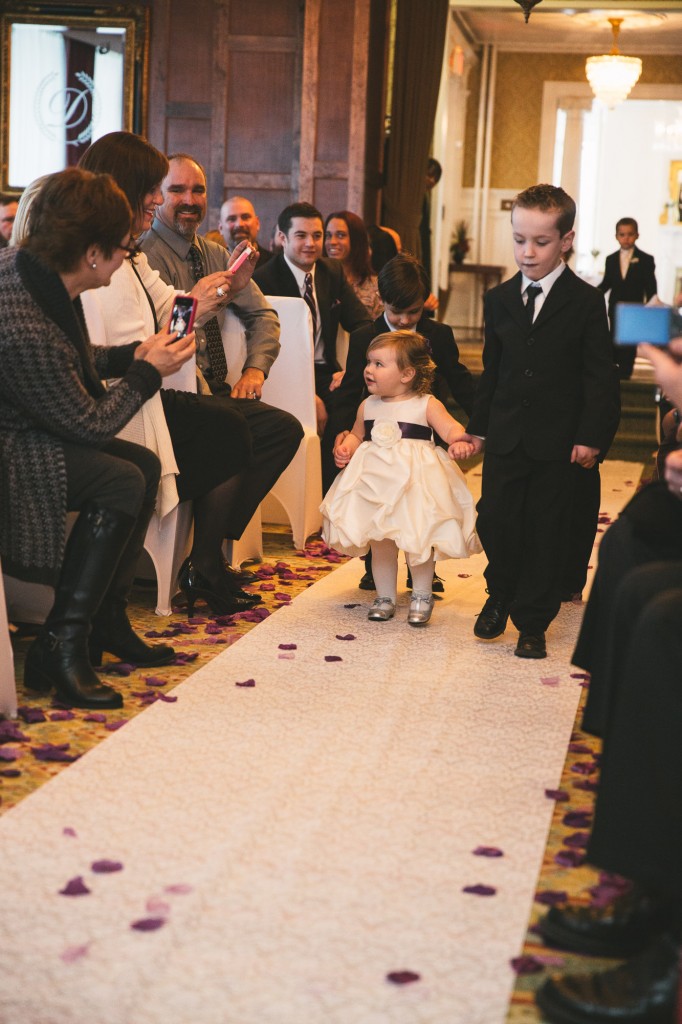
{"points": [[48, 737]]}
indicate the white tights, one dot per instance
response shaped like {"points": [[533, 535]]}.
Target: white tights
{"points": [[385, 570]]}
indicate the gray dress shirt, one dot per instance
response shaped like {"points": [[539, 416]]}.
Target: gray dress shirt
{"points": [[168, 252]]}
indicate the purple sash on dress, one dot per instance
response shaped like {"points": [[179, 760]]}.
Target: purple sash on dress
{"points": [[412, 431]]}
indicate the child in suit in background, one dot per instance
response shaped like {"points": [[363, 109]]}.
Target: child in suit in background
{"points": [[629, 276], [546, 400]]}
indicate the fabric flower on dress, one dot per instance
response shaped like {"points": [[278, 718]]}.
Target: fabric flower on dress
{"points": [[386, 433]]}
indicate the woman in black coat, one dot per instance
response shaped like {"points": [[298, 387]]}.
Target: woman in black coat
{"points": [[58, 450]]}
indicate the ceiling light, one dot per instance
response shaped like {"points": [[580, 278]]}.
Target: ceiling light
{"points": [[527, 6], [612, 75]]}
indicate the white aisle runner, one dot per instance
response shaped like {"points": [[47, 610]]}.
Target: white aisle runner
{"points": [[299, 839]]}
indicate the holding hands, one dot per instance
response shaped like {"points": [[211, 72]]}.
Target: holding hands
{"points": [[344, 448], [166, 351]]}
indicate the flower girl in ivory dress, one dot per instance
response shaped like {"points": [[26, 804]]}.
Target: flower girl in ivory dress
{"points": [[398, 490]]}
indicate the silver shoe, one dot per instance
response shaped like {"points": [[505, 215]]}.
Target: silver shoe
{"points": [[382, 610], [421, 607]]}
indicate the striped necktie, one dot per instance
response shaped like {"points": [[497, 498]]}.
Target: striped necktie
{"points": [[214, 338], [310, 302]]}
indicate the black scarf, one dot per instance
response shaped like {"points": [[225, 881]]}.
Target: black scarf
{"points": [[47, 290]]}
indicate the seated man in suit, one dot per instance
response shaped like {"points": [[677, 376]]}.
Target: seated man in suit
{"points": [[238, 221], [8, 210], [301, 272], [182, 257], [629, 276]]}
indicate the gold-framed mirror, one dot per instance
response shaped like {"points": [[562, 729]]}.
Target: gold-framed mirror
{"points": [[71, 72]]}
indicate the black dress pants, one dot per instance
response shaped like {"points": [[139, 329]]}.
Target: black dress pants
{"points": [[522, 524], [121, 476], [637, 830]]}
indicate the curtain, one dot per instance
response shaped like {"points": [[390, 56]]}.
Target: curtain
{"points": [[421, 28]]}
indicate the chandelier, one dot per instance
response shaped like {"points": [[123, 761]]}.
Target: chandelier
{"points": [[612, 75], [527, 6]]}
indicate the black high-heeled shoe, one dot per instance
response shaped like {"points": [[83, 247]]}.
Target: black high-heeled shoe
{"points": [[221, 601]]}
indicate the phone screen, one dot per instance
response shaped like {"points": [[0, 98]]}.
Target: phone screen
{"points": [[182, 317], [636, 323]]}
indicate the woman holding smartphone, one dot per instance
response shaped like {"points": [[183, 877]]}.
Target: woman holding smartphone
{"points": [[185, 429], [58, 425]]}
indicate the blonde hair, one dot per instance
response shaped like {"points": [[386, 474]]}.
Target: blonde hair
{"points": [[22, 221], [413, 351]]}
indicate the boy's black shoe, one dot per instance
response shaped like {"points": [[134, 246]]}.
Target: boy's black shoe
{"points": [[492, 619], [436, 587], [641, 991], [531, 645], [620, 929], [367, 581]]}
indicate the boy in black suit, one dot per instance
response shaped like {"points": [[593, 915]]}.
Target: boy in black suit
{"points": [[404, 287], [546, 400], [629, 276]]}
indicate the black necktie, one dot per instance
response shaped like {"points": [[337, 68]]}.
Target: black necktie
{"points": [[310, 302], [214, 338], [532, 292]]}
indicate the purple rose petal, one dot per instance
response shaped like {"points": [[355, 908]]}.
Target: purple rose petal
{"points": [[9, 754], [265, 587], [247, 682], [464, 575], [75, 887], [586, 784], [526, 965], [53, 752], [332, 657], [584, 767], [480, 890], [95, 716], [106, 867], [551, 897], [580, 675], [10, 773], [113, 726], [10, 732], [577, 819], [557, 794], [347, 636], [73, 953], [577, 840], [579, 748], [148, 924], [287, 647], [487, 851], [119, 668], [71, 832], [569, 858], [31, 715], [61, 716], [356, 605], [402, 977]]}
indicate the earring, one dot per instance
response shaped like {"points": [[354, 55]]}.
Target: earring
{"points": [[94, 266]]}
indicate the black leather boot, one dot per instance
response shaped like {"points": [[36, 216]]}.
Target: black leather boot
{"points": [[111, 629], [59, 657]]}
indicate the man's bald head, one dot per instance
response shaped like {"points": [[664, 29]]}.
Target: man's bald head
{"points": [[238, 221]]}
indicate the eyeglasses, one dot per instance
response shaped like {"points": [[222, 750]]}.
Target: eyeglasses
{"points": [[129, 250]]}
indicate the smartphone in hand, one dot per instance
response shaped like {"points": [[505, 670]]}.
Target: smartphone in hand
{"points": [[636, 323], [183, 314], [242, 258]]}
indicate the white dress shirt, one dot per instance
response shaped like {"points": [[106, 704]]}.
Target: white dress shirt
{"points": [[300, 276]]}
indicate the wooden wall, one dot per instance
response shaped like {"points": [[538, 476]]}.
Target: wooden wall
{"points": [[278, 99]]}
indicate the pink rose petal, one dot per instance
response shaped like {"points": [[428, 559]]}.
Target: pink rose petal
{"points": [[402, 977], [287, 655], [148, 924], [154, 905], [73, 953], [106, 867], [550, 680], [68, 831], [75, 887], [179, 889]]}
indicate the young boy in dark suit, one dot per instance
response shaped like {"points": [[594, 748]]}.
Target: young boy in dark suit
{"points": [[546, 401], [629, 276]]}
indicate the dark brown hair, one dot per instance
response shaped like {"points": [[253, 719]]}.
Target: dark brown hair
{"points": [[403, 282], [135, 165], [548, 198], [629, 222], [73, 210], [359, 258], [306, 210], [411, 350]]}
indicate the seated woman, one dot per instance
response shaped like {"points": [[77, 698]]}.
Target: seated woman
{"points": [[205, 439], [58, 424], [346, 239]]}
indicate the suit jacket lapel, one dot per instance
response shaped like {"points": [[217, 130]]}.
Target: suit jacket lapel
{"points": [[559, 295], [287, 279], [510, 296], [324, 302]]}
